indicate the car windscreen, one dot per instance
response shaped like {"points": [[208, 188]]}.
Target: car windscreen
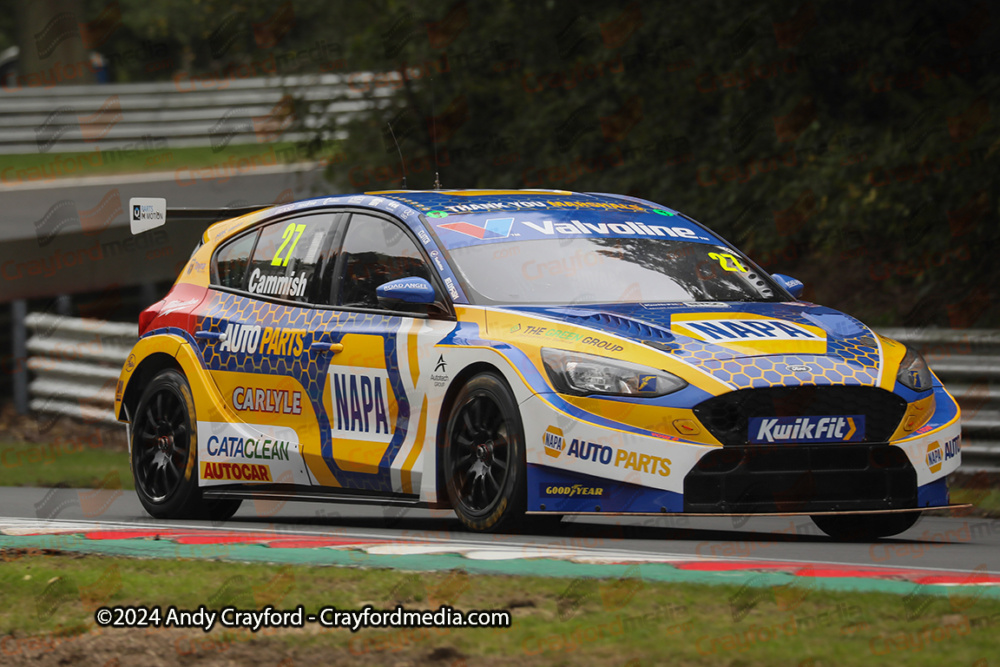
{"points": [[608, 270]]}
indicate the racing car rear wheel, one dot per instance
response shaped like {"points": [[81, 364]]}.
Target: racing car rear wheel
{"points": [[483, 458], [165, 453], [865, 527]]}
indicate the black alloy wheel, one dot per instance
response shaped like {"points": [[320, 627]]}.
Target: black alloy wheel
{"points": [[164, 453], [484, 459], [161, 445]]}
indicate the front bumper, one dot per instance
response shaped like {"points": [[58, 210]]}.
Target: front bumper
{"points": [[581, 463]]}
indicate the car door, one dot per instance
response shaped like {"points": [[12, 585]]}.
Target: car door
{"points": [[256, 333], [376, 395]]}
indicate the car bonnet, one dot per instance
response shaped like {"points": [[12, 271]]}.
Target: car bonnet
{"points": [[749, 344]]}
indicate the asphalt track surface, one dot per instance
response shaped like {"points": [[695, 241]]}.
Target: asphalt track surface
{"points": [[26, 203], [949, 544]]}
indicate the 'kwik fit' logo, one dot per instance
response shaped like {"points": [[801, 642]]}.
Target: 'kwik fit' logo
{"points": [[847, 428], [496, 228]]}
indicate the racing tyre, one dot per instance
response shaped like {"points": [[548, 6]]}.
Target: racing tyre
{"points": [[865, 527], [165, 453], [483, 459]]}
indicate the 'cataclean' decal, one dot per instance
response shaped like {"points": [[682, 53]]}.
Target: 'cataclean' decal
{"points": [[244, 453], [248, 448]]}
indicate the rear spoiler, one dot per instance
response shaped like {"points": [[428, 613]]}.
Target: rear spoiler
{"points": [[146, 213], [214, 214]]}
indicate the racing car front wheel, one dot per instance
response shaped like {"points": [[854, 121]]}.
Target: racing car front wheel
{"points": [[865, 527], [165, 453], [484, 458]]}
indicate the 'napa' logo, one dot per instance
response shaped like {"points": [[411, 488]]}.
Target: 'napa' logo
{"points": [[362, 399], [934, 457], [495, 228], [553, 441], [745, 330], [847, 428]]}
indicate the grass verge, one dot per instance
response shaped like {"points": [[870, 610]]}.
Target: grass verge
{"points": [[987, 501], [63, 462], [47, 603], [52, 165]]}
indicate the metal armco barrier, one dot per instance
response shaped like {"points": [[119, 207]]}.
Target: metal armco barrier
{"points": [[968, 363], [75, 365], [172, 114]]}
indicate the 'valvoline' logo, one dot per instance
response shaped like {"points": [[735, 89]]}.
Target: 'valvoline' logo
{"points": [[495, 228], [847, 428]]}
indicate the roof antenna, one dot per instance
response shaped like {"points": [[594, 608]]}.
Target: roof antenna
{"points": [[437, 178], [402, 163]]}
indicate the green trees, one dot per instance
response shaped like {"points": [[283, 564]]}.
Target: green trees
{"points": [[851, 144]]}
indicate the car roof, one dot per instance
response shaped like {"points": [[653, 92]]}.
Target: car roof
{"points": [[436, 205]]}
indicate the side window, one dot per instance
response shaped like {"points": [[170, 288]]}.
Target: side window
{"points": [[231, 262], [287, 260], [376, 251]]}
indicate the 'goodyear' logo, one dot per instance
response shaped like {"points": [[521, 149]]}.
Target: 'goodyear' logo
{"points": [[553, 441], [846, 428], [934, 457], [571, 491]]}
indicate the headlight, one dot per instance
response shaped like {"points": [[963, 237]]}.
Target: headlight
{"points": [[913, 372], [581, 374]]}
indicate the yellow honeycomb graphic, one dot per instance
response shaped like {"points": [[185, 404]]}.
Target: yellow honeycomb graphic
{"points": [[309, 368], [850, 360], [851, 355]]}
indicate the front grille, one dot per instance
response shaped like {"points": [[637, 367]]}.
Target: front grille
{"points": [[727, 416], [801, 479]]}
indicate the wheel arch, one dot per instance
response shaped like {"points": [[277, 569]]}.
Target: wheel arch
{"points": [[144, 372], [447, 405]]}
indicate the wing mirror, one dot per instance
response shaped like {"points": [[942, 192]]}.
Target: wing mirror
{"points": [[791, 285], [404, 293]]}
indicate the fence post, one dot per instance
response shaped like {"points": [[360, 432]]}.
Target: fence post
{"points": [[19, 354], [147, 294], [64, 306]]}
